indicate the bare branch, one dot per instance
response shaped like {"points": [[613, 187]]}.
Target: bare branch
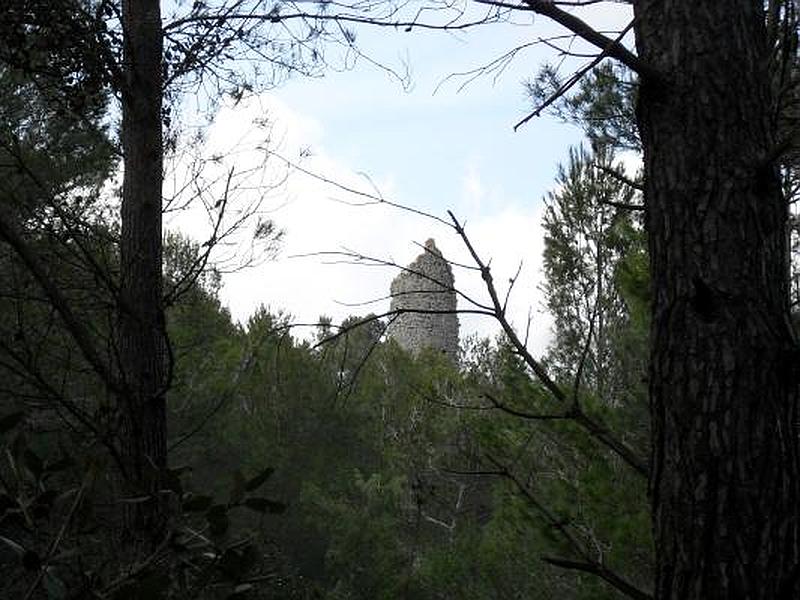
{"points": [[608, 47], [622, 205], [392, 313], [511, 282], [273, 17], [595, 428], [73, 324], [371, 198], [624, 179], [360, 259], [577, 76], [447, 404], [601, 571], [526, 415]]}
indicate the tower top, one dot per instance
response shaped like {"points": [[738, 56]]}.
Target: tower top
{"points": [[424, 297], [430, 246]]}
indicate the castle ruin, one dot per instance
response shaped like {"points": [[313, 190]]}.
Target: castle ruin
{"points": [[424, 296]]}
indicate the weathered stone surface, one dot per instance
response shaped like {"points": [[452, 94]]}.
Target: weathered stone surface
{"points": [[426, 300]]}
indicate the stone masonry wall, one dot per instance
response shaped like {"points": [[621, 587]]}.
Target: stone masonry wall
{"points": [[426, 285]]}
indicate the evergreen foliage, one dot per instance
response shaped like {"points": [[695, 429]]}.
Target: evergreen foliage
{"points": [[342, 467]]}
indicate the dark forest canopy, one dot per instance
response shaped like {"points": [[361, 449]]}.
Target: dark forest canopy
{"points": [[651, 453]]}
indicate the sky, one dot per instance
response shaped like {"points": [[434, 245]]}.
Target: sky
{"points": [[437, 147]]}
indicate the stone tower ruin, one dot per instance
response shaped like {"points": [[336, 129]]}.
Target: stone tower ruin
{"points": [[425, 289]]}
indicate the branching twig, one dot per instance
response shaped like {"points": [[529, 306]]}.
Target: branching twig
{"points": [[578, 75], [624, 179], [360, 259], [370, 197], [595, 428], [73, 324], [601, 571], [527, 415], [609, 47]]}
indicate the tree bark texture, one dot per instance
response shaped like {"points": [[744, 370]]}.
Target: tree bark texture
{"points": [[141, 327], [724, 367]]}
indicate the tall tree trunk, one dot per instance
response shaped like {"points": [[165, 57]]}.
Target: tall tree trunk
{"points": [[724, 366], [141, 328]]}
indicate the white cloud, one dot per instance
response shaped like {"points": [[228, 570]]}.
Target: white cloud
{"points": [[321, 218], [473, 188], [511, 242], [631, 162]]}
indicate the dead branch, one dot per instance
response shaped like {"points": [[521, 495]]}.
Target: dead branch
{"points": [[74, 325], [596, 428], [577, 76]]}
